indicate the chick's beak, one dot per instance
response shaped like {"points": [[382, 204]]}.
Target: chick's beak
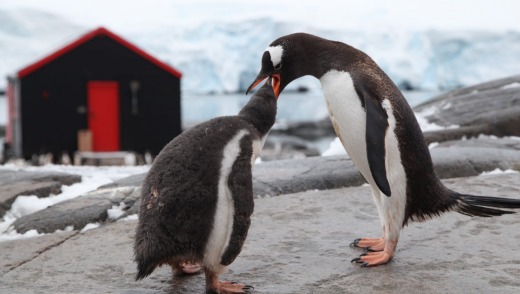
{"points": [[275, 83]]}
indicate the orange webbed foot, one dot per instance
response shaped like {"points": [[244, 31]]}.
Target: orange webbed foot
{"points": [[369, 244], [379, 257], [372, 258], [231, 288]]}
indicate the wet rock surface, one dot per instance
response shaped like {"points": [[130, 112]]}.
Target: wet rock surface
{"points": [[297, 243]]}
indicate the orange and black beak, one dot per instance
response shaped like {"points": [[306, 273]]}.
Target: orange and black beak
{"points": [[273, 80]]}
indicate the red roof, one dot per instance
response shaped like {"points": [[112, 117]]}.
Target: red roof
{"points": [[97, 32]]}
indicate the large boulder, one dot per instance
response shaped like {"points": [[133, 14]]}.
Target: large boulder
{"points": [[491, 108]]}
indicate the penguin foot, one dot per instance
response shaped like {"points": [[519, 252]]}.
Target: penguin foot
{"points": [[372, 258], [224, 287], [369, 244], [187, 268]]}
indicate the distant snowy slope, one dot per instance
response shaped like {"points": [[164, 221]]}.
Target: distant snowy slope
{"points": [[27, 35], [223, 55]]}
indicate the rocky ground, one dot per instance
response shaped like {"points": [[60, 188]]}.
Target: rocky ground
{"points": [[298, 242]]}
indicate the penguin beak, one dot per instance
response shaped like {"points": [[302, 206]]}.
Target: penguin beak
{"points": [[273, 81], [258, 80]]}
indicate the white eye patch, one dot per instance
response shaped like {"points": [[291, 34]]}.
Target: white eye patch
{"points": [[276, 54]]}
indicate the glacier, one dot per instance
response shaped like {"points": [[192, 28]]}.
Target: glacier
{"points": [[223, 56]]}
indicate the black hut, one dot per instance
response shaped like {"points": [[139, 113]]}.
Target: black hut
{"points": [[100, 84]]}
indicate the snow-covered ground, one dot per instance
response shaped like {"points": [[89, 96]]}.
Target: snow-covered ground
{"points": [[92, 178], [217, 45]]}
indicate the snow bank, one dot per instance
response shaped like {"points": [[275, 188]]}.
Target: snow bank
{"points": [[498, 171], [92, 178], [335, 148], [427, 126]]}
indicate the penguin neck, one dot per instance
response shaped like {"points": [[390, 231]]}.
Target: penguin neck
{"points": [[260, 112], [323, 57]]}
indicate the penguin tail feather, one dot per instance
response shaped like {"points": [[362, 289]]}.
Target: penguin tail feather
{"points": [[144, 269], [484, 206]]}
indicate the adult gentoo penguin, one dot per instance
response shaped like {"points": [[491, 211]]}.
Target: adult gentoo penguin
{"points": [[378, 129], [197, 198]]}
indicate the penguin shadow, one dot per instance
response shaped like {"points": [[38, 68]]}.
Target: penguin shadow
{"points": [[180, 284], [186, 283]]}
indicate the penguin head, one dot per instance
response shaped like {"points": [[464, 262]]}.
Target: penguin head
{"points": [[278, 64]]}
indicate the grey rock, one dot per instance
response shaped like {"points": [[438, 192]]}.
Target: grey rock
{"points": [[488, 108], [18, 252], [454, 162], [306, 130], [278, 147], [290, 176], [299, 243], [484, 142], [271, 178], [77, 212], [40, 184], [131, 181]]}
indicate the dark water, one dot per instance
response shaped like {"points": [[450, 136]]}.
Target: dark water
{"points": [[292, 107]]}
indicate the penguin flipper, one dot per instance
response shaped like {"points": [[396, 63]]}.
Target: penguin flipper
{"points": [[376, 126], [240, 183]]}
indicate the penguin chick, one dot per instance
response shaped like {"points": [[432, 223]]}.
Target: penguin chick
{"points": [[379, 130], [197, 198]]}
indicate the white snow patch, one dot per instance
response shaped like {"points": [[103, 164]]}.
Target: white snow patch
{"points": [[482, 136], [433, 145], [13, 235], [67, 229], [91, 179], [512, 85], [335, 148], [258, 160], [116, 211], [498, 171], [426, 125], [131, 217], [90, 227]]}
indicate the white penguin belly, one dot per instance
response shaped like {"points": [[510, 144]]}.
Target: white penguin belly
{"points": [[349, 120], [348, 117], [223, 220]]}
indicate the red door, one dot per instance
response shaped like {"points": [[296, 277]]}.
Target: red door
{"points": [[103, 114]]}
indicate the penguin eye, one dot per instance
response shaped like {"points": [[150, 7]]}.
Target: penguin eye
{"points": [[278, 66]]}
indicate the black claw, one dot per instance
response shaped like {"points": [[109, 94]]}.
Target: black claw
{"points": [[355, 242], [248, 289], [357, 260], [365, 264], [364, 254]]}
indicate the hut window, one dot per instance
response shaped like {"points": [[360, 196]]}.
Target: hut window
{"points": [[134, 87]]}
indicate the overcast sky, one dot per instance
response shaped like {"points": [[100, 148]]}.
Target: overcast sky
{"points": [[130, 16]]}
